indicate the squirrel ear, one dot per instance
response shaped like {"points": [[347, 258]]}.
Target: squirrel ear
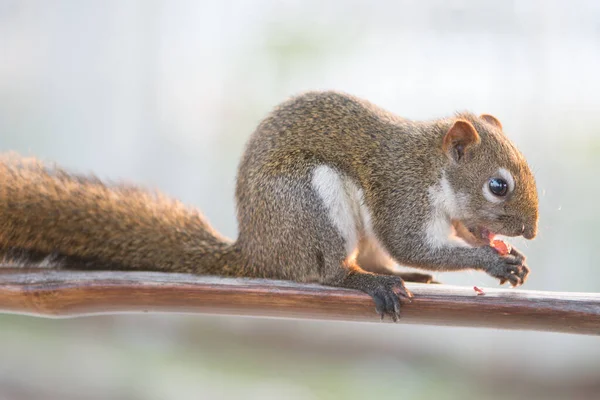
{"points": [[459, 138], [491, 120]]}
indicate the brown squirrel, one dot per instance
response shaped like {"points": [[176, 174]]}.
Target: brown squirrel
{"points": [[330, 189]]}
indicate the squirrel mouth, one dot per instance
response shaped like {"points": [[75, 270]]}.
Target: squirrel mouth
{"points": [[475, 235]]}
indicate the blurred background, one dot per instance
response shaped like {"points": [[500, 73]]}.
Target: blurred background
{"points": [[165, 93]]}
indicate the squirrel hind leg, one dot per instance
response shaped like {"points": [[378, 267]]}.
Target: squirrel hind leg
{"points": [[343, 270], [372, 257]]}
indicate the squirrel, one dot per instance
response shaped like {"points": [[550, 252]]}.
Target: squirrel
{"points": [[330, 189]]}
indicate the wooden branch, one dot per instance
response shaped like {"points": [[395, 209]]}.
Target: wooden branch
{"points": [[55, 293]]}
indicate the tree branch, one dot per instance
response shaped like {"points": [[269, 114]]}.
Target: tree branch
{"points": [[57, 293]]}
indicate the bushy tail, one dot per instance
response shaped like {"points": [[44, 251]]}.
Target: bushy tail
{"points": [[47, 211]]}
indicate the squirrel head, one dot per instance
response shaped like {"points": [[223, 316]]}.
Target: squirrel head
{"points": [[494, 187]]}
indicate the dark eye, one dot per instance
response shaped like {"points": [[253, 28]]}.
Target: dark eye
{"points": [[498, 186]]}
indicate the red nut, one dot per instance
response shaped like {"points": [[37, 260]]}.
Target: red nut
{"points": [[501, 247]]}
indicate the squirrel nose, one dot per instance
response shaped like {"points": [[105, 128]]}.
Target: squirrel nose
{"points": [[529, 231]]}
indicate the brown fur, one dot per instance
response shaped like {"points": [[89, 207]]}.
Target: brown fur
{"points": [[49, 211], [492, 120], [459, 139], [284, 230]]}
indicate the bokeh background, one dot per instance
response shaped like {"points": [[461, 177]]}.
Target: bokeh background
{"points": [[165, 93]]}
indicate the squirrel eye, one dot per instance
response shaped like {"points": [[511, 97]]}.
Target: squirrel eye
{"points": [[498, 186]]}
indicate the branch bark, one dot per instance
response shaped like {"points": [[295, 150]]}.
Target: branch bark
{"points": [[59, 293]]}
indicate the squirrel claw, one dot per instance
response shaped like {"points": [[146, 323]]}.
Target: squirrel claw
{"points": [[386, 293], [515, 274], [387, 304], [509, 268]]}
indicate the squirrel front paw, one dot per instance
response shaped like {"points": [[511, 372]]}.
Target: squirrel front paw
{"points": [[510, 267], [385, 290]]}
